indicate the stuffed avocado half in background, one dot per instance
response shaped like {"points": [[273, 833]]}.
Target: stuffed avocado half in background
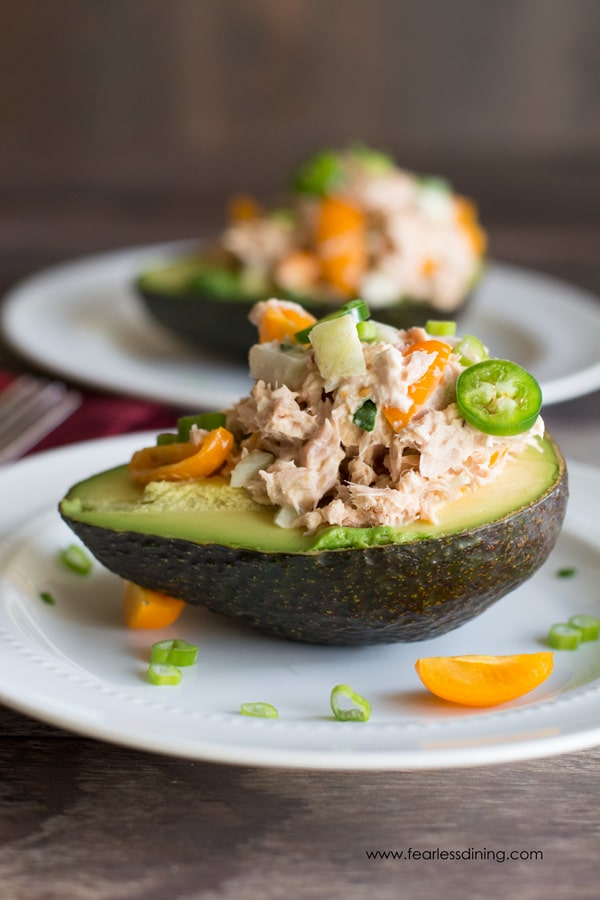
{"points": [[353, 224], [377, 485]]}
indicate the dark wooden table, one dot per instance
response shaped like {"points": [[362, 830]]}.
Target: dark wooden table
{"points": [[86, 820]]}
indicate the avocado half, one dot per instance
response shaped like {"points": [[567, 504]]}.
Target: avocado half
{"points": [[219, 320], [212, 546]]}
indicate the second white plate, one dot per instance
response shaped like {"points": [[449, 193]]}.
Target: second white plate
{"points": [[82, 320]]}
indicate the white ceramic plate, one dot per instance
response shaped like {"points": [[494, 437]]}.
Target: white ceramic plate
{"points": [[74, 665], [83, 321]]}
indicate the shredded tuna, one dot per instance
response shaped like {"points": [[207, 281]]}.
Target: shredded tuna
{"points": [[302, 486], [423, 241], [275, 414], [331, 471]]}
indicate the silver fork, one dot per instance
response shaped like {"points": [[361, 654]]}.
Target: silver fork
{"points": [[30, 408]]}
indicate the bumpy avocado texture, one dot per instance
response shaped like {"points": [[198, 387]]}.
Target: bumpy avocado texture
{"points": [[212, 546]]}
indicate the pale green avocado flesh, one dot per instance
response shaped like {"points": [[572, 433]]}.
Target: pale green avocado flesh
{"points": [[212, 546], [212, 512]]}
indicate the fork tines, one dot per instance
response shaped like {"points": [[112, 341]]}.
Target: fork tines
{"points": [[30, 408]]}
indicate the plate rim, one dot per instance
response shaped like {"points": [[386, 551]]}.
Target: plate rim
{"points": [[555, 390], [367, 760]]}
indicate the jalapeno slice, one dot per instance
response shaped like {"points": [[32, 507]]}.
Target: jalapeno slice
{"points": [[498, 397]]}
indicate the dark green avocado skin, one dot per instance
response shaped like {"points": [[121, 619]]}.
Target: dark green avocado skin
{"points": [[209, 323], [394, 593], [221, 323]]}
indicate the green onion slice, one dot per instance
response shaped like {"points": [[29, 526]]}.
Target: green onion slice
{"points": [[320, 174], [365, 416], [348, 706], [259, 710], [163, 673], [75, 559], [174, 652], [563, 637], [367, 331], [434, 183], [47, 597], [589, 626], [207, 421], [166, 438], [567, 572], [374, 161], [470, 350], [440, 328]]}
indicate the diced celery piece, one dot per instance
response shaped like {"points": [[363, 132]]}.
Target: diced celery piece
{"points": [[338, 350], [358, 309], [249, 466], [269, 363], [385, 333]]}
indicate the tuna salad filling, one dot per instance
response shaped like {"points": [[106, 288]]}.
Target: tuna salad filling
{"points": [[359, 224], [354, 423]]}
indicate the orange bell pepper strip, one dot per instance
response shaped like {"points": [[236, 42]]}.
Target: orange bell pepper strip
{"points": [[466, 216], [181, 461], [143, 608], [280, 322], [484, 680], [429, 267], [420, 390], [243, 208], [341, 244]]}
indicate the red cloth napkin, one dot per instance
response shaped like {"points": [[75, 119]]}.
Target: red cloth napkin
{"points": [[104, 414]]}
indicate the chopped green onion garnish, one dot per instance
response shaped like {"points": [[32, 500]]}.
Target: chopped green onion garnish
{"points": [[589, 626], [163, 673], [207, 421], [566, 573], [166, 438], [374, 161], [440, 328], [282, 215], [176, 652], [563, 637], [348, 706], [358, 308], [367, 331], [303, 336], [365, 416], [47, 597], [320, 174], [75, 559], [261, 710], [470, 350], [434, 183]]}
